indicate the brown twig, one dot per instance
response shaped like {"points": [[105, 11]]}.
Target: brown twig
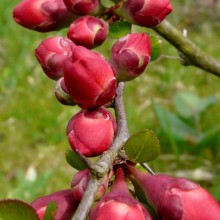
{"points": [[192, 53], [104, 164]]}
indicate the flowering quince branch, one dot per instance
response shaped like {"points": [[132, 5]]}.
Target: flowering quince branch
{"points": [[193, 55], [85, 78]]}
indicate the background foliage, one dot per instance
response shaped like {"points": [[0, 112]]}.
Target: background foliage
{"points": [[181, 104]]}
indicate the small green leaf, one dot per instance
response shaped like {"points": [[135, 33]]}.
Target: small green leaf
{"points": [[74, 160], [142, 147], [119, 29], [156, 45], [11, 209], [107, 3], [51, 208]]}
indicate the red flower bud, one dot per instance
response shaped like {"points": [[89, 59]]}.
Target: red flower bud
{"points": [[91, 132], [147, 13], [52, 53], [61, 93], [83, 7], [42, 15], [65, 202], [80, 182], [119, 204], [130, 56], [175, 198], [89, 78], [88, 31]]}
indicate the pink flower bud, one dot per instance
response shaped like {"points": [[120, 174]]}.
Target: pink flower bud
{"points": [[89, 78], [130, 56], [91, 132], [65, 202], [52, 53], [88, 31], [61, 93], [83, 7], [42, 15], [175, 198], [119, 204], [80, 182], [147, 13]]}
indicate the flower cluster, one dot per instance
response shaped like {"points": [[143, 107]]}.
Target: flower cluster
{"points": [[85, 78]]}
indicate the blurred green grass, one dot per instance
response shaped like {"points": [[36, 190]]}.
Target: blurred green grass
{"points": [[32, 122]]}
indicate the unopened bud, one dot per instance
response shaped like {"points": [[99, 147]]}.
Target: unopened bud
{"points": [[89, 78], [42, 15], [83, 7], [52, 53], [80, 182], [119, 204], [130, 56], [175, 198], [65, 203], [147, 13], [88, 31], [91, 132]]}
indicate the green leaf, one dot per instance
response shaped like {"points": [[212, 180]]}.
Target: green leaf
{"points": [[75, 160], [119, 29], [16, 210], [142, 147], [156, 45], [107, 3], [51, 208]]}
